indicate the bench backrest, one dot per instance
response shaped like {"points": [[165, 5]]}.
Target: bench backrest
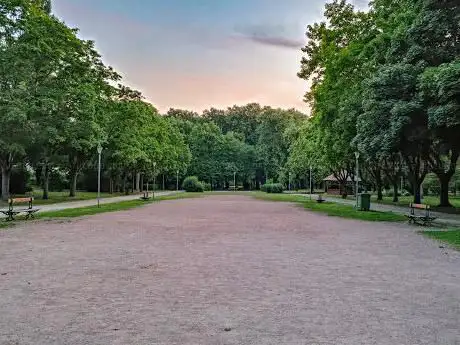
{"points": [[20, 200], [419, 206]]}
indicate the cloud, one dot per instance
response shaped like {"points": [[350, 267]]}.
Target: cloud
{"points": [[278, 36]]}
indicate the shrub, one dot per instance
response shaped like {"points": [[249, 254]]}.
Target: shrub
{"points": [[206, 186], [272, 188], [391, 193], [431, 185], [192, 184], [20, 181], [58, 180]]}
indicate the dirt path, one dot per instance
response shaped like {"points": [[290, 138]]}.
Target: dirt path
{"points": [[225, 270]]}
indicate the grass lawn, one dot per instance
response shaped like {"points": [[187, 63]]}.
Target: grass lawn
{"points": [[111, 207], [58, 197], [5, 225], [451, 237], [406, 200], [333, 209]]}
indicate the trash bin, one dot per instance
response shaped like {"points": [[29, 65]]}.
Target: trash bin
{"points": [[364, 202]]}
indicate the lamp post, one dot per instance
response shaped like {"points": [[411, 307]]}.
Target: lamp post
{"points": [[234, 181], [310, 183], [154, 177], [177, 180], [289, 184], [357, 178], [99, 152]]}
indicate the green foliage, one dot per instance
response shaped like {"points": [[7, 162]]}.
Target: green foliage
{"points": [[192, 184], [272, 188], [384, 83]]}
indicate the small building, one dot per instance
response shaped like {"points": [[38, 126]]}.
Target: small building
{"points": [[332, 186]]}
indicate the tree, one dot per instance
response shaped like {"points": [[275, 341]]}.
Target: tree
{"points": [[16, 63], [441, 90], [85, 109]]}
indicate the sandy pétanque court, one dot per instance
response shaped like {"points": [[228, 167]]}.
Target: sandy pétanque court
{"points": [[225, 270]]}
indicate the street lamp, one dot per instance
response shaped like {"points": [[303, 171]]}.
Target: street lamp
{"points": [[234, 181], [177, 181], [289, 185], [357, 178], [310, 182], [99, 152], [154, 177]]}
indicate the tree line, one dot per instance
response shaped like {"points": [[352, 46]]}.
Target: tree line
{"points": [[385, 83], [59, 102]]}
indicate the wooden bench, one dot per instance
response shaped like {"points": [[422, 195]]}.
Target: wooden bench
{"points": [[11, 212], [423, 219]]}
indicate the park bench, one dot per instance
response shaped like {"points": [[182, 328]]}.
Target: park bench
{"points": [[320, 199], [11, 212], [424, 219], [145, 196]]}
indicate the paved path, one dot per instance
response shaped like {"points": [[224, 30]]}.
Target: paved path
{"points": [[93, 202], [442, 218], [225, 270]]}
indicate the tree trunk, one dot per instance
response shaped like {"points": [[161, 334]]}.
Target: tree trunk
{"points": [[111, 185], [39, 174], [133, 181], [124, 187], [6, 174], [73, 184], [141, 183], [46, 181], [417, 194], [343, 190], [138, 182], [379, 192], [444, 195], [395, 192], [163, 181]]}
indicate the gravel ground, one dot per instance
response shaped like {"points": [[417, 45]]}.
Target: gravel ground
{"points": [[225, 270]]}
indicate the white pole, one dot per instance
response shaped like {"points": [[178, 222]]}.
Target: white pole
{"points": [[99, 151], [154, 178], [99, 180], [357, 178]]}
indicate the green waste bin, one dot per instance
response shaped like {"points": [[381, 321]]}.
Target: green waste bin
{"points": [[364, 202]]}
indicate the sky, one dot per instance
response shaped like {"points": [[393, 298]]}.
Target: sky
{"points": [[197, 54]]}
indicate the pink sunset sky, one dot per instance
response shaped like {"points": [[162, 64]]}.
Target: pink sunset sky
{"points": [[197, 54]]}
